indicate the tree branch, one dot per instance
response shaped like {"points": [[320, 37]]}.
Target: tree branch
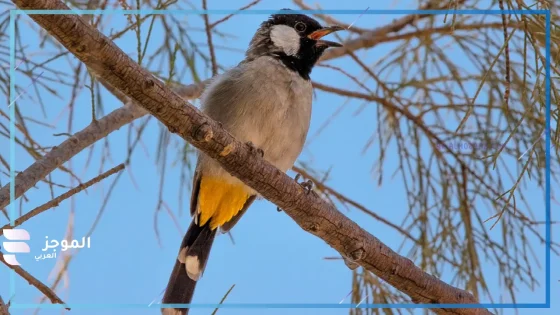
{"points": [[371, 38], [67, 149], [308, 210], [35, 282], [3, 308], [49, 293], [209, 38], [56, 201], [79, 141]]}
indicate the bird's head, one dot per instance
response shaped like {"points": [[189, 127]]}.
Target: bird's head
{"points": [[295, 39]]}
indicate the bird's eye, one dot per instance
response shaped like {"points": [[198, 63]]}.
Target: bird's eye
{"points": [[300, 27]]}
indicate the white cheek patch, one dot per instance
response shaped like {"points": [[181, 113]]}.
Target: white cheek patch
{"points": [[285, 38]]}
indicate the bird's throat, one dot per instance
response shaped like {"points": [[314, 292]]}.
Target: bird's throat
{"points": [[301, 66]]}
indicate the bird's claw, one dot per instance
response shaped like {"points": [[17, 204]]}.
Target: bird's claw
{"points": [[254, 149], [307, 185]]}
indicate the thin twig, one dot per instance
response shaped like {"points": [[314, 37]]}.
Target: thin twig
{"points": [[223, 299], [66, 259], [227, 17], [369, 39], [330, 20], [506, 54], [66, 195], [35, 282], [209, 37]]}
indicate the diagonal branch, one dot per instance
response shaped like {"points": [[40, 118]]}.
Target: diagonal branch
{"points": [[371, 38], [308, 210], [67, 149], [49, 293], [35, 282], [56, 201], [96, 131]]}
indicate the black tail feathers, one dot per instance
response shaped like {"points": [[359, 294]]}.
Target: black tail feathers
{"points": [[189, 267]]}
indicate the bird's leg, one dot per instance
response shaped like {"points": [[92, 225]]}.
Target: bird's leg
{"points": [[254, 149]]}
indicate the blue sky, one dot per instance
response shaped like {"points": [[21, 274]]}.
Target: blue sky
{"points": [[272, 260]]}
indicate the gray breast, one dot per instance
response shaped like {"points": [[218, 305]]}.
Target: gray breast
{"points": [[263, 102]]}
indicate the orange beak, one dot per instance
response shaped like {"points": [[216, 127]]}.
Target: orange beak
{"points": [[318, 34]]}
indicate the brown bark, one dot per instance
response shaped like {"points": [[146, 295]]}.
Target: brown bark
{"points": [[309, 211], [3, 308]]}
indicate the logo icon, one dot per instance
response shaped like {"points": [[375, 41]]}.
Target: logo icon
{"points": [[15, 247]]}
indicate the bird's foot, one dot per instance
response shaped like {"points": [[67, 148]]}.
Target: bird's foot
{"points": [[307, 185], [254, 149]]}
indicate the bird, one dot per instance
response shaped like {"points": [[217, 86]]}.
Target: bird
{"points": [[264, 101]]}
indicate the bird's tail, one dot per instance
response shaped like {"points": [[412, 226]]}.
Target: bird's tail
{"points": [[192, 258]]}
